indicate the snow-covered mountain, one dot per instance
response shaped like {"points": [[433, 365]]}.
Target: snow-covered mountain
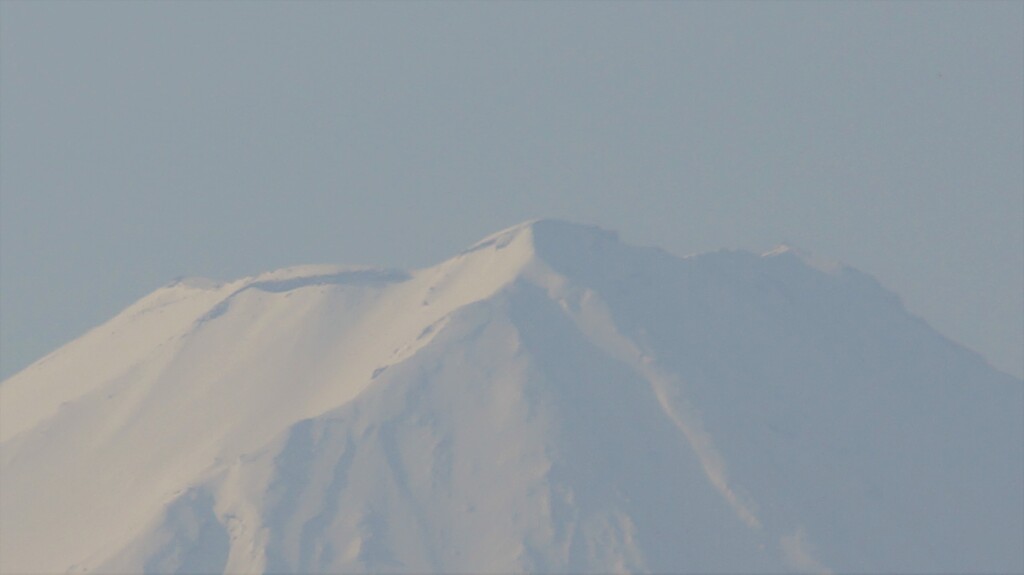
{"points": [[549, 400]]}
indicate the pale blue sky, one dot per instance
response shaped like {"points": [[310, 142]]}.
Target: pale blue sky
{"points": [[144, 141]]}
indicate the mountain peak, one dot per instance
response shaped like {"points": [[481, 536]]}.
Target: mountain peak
{"points": [[550, 400], [807, 258], [541, 233], [567, 248]]}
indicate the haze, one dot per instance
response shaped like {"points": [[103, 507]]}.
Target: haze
{"points": [[140, 142]]}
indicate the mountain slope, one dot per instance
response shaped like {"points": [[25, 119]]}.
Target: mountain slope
{"points": [[550, 400]]}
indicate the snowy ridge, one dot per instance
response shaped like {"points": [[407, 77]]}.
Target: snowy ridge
{"points": [[810, 260], [549, 400]]}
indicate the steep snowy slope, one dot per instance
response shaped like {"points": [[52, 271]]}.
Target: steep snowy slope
{"points": [[550, 400]]}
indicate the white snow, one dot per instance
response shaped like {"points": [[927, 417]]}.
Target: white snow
{"points": [[550, 400]]}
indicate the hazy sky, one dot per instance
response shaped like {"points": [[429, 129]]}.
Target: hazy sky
{"points": [[141, 141]]}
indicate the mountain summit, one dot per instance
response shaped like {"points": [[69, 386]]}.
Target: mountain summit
{"points": [[549, 400]]}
